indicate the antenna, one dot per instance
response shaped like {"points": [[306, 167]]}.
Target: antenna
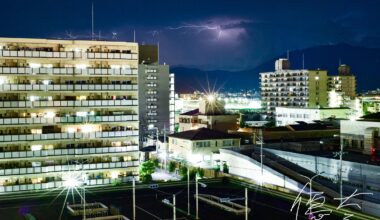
{"points": [[92, 20], [287, 54], [158, 52], [303, 61], [134, 36]]}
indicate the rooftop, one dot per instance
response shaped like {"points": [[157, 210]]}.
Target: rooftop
{"points": [[203, 134], [371, 117], [192, 112]]}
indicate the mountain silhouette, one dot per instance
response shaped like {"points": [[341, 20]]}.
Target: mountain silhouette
{"points": [[364, 62]]}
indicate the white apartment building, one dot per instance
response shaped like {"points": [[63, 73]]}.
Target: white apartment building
{"points": [[290, 115], [287, 87], [68, 108]]}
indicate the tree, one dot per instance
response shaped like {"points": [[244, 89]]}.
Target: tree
{"points": [[200, 172], [225, 168], [156, 162], [172, 166], [183, 172], [146, 170]]}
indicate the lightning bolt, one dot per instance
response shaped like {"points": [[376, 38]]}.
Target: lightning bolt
{"points": [[199, 28]]}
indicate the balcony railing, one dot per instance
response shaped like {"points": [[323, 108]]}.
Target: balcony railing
{"points": [[64, 87], [66, 168], [71, 119], [64, 152], [65, 136], [66, 71], [68, 54], [59, 184], [67, 103]]}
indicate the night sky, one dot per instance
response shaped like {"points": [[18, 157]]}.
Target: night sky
{"points": [[212, 34]]}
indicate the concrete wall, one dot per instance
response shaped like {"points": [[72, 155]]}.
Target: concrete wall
{"points": [[244, 166]]}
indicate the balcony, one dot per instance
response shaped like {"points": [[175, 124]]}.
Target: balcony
{"points": [[65, 152], [68, 120], [67, 136], [97, 55], [66, 168], [67, 103], [59, 184], [37, 54], [64, 87], [68, 54], [66, 71]]}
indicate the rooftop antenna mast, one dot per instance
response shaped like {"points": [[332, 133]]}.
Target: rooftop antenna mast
{"points": [[287, 54], [158, 52], [340, 61], [92, 21], [134, 36], [303, 61]]}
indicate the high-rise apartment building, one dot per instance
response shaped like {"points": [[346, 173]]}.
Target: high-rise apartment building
{"points": [[344, 82], [156, 93], [68, 108], [287, 87]]}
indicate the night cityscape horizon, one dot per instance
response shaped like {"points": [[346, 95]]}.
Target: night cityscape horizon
{"points": [[141, 109]]}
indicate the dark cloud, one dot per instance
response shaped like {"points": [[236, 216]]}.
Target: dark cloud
{"points": [[215, 34]]}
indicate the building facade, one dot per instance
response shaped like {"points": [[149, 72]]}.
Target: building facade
{"points": [[361, 135], [200, 145], [298, 88], [156, 93], [67, 107], [290, 115], [210, 114], [344, 82]]}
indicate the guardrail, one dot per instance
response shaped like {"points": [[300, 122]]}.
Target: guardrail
{"points": [[67, 103], [64, 152], [63, 136], [67, 71], [67, 168], [67, 120], [64, 87]]}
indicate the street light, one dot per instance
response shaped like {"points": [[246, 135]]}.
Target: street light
{"points": [[196, 195], [261, 140], [340, 166]]}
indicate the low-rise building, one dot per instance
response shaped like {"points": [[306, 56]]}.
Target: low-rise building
{"points": [[196, 146], [291, 115], [210, 115], [361, 135]]}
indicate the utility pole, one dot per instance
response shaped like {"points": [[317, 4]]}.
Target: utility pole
{"points": [[92, 21], [134, 198], [261, 155], [340, 170], [196, 197], [174, 209], [166, 151], [84, 204], [246, 204], [188, 191]]}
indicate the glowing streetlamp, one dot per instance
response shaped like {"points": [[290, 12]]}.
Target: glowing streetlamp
{"points": [[210, 98]]}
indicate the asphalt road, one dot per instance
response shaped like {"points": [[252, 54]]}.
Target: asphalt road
{"points": [[150, 206]]}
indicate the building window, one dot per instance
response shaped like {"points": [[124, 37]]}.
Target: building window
{"points": [[227, 143]]}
